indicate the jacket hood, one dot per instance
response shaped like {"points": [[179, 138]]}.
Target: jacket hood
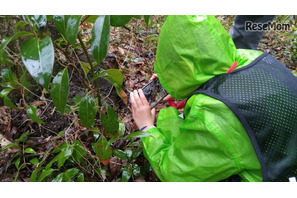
{"points": [[192, 50]]}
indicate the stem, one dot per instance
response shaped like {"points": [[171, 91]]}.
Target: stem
{"points": [[86, 17], [73, 65], [92, 69]]}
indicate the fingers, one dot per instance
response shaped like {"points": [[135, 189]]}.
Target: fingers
{"points": [[132, 100], [137, 99], [153, 112], [167, 98], [153, 77], [143, 98]]}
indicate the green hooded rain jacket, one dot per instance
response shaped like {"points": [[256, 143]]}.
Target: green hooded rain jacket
{"points": [[210, 143]]}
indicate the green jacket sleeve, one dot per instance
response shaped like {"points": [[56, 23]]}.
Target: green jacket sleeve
{"points": [[210, 144]]}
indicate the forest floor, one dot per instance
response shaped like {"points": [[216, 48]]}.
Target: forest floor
{"points": [[132, 50]]}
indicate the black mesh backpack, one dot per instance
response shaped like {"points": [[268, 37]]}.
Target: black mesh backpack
{"points": [[263, 95]]}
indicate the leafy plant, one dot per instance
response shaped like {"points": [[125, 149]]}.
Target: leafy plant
{"points": [[55, 50]]}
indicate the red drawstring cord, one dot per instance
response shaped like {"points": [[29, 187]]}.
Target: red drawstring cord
{"points": [[232, 67], [182, 103]]}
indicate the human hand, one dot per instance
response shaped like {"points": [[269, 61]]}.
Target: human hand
{"points": [[141, 111]]}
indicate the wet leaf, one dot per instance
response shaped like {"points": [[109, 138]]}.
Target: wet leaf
{"points": [[110, 122], [120, 20], [87, 111], [68, 26], [100, 38], [102, 149], [126, 174], [120, 154], [69, 174], [7, 75], [31, 112], [58, 178], [137, 134], [60, 89], [64, 155], [136, 153], [129, 153], [38, 57], [37, 21], [80, 177], [5, 92], [136, 170]]}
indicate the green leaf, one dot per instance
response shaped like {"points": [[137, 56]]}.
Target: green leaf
{"points": [[80, 177], [91, 19], [129, 153], [45, 173], [34, 175], [22, 138], [137, 134], [98, 75], [17, 163], [68, 26], [120, 154], [146, 19], [49, 17], [102, 149], [78, 151], [24, 80], [110, 122], [59, 178], [29, 150], [69, 174], [5, 92], [136, 153], [126, 174], [3, 54], [34, 161], [115, 76], [122, 128], [64, 155], [9, 146], [19, 25], [37, 21], [100, 38], [8, 103], [38, 57], [85, 67], [136, 170], [31, 112], [60, 90], [17, 35], [87, 111], [7, 75], [120, 20]]}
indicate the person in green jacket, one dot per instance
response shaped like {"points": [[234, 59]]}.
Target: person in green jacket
{"points": [[210, 142]]}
